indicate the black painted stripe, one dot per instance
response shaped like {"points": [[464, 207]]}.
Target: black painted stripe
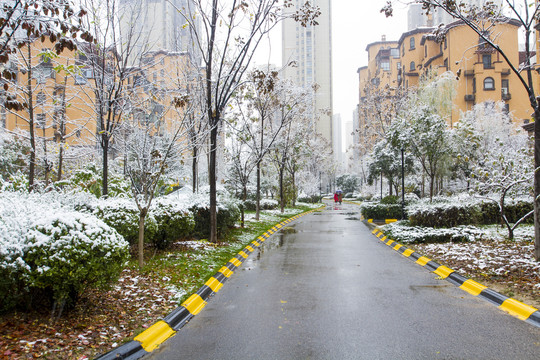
{"points": [[178, 318], [534, 319], [130, 350], [220, 277], [432, 265], [456, 279], [415, 256], [493, 296], [239, 258], [230, 266], [205, 292], [247, 251], [401, 250]]}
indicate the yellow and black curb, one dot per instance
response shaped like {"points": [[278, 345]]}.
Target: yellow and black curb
{"points": [[511, 306], [156, 334]]}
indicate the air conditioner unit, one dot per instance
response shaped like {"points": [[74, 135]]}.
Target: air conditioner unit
{"points": [[469, 97]]}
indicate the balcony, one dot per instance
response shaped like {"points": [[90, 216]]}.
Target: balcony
{"points": [[506, 96], [468, 73], [469, 97], [505, 72]]}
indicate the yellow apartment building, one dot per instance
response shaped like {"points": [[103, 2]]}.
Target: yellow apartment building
{"points": [[483, 75], [61, 95]]}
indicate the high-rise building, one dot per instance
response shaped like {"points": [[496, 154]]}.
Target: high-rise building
{"points": [[307, 57], [161, 25]]}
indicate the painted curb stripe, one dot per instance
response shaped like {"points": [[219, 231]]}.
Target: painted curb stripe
{"points": [[383, 239], [260, 238], [214, 284], [456, 279], [130, 350], [390, 242], [256, 243], [205, 292], [492, 296], [374, 231], [407, 252], [239, 258], [472, 287], [226, 272], [432, 265], [534, 319], [235, 261], [517, 308], [178, 318], [230, 266], [194, 304], [443, 271], [401, 249], [422, 260], [219, 276], [243, 254], [155, 335], [415, 255], [250, 248]]}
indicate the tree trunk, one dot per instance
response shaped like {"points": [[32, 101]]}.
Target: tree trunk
{"points": [[60, 162], [105, 160], [194, 170], [281, 190], [294, 189], [258, 195], [244, 197], [32, 169], [142, 216], [537, 184], [212, 178]]}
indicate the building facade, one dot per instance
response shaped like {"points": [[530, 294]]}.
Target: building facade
{"points": [[307, 57], [483, 75]]}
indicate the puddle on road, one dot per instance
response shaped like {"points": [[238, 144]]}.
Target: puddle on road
{"points": [[352, 218], [440, 288]]}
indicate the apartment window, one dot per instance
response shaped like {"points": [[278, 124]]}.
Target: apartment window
{"points": [[80, 80], [41, 98], [394, 53], [474, 85], [425, 50], [412, 66], [411, 43], [403, 50], [486, 60], [504, 87], [489, 83], [40, 119], [385, 65]]}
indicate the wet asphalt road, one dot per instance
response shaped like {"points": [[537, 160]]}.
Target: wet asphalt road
{"points": [[326, 288]]}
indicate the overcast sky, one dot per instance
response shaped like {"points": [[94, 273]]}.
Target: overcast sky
{"points": [[354, 25]]}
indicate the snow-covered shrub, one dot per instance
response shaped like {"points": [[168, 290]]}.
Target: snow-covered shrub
{"points": [[401, 232], [40, 234], [265, 204], [123, 215], [89, 179], [381, 211], [313, 199], [16, 182], [67, 252], [173, 221], [465, 210]]}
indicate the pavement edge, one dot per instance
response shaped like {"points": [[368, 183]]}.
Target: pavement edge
{"points": [[513, 307], [151, 338]]}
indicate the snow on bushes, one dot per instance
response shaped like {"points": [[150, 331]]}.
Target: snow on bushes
{"points": [[401, 232], [465, 210], [67, 252], [45, 244]]}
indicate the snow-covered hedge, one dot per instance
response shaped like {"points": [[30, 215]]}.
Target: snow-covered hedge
{"points": [[265, 204], [45, 244], [402, 232], [381, 211], [464, 210], [174, 222]]}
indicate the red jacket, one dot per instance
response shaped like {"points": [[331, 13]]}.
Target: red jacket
{"points": [[336, 197]]}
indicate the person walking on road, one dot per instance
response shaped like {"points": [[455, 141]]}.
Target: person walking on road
{"points": [[336, 197]]}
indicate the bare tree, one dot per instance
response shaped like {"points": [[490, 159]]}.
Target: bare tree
{"points": [[231, 33]]}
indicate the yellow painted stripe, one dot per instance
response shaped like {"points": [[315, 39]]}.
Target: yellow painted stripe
{"points": [[235, 262], [270, 231], [443, 271], [275, 229], [261, 238], [390, 242], [243, 254], [384, 238], [423, 260], [194, 304], [472, 287], [369, 220], [254, 242], [397, 247], [517, 308], [380, 234], [266, 234], [279, 226], [374, 231], [407, 252], [388, 221], [226, 272], [250, 248], [155, 335], [214, 284]]}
